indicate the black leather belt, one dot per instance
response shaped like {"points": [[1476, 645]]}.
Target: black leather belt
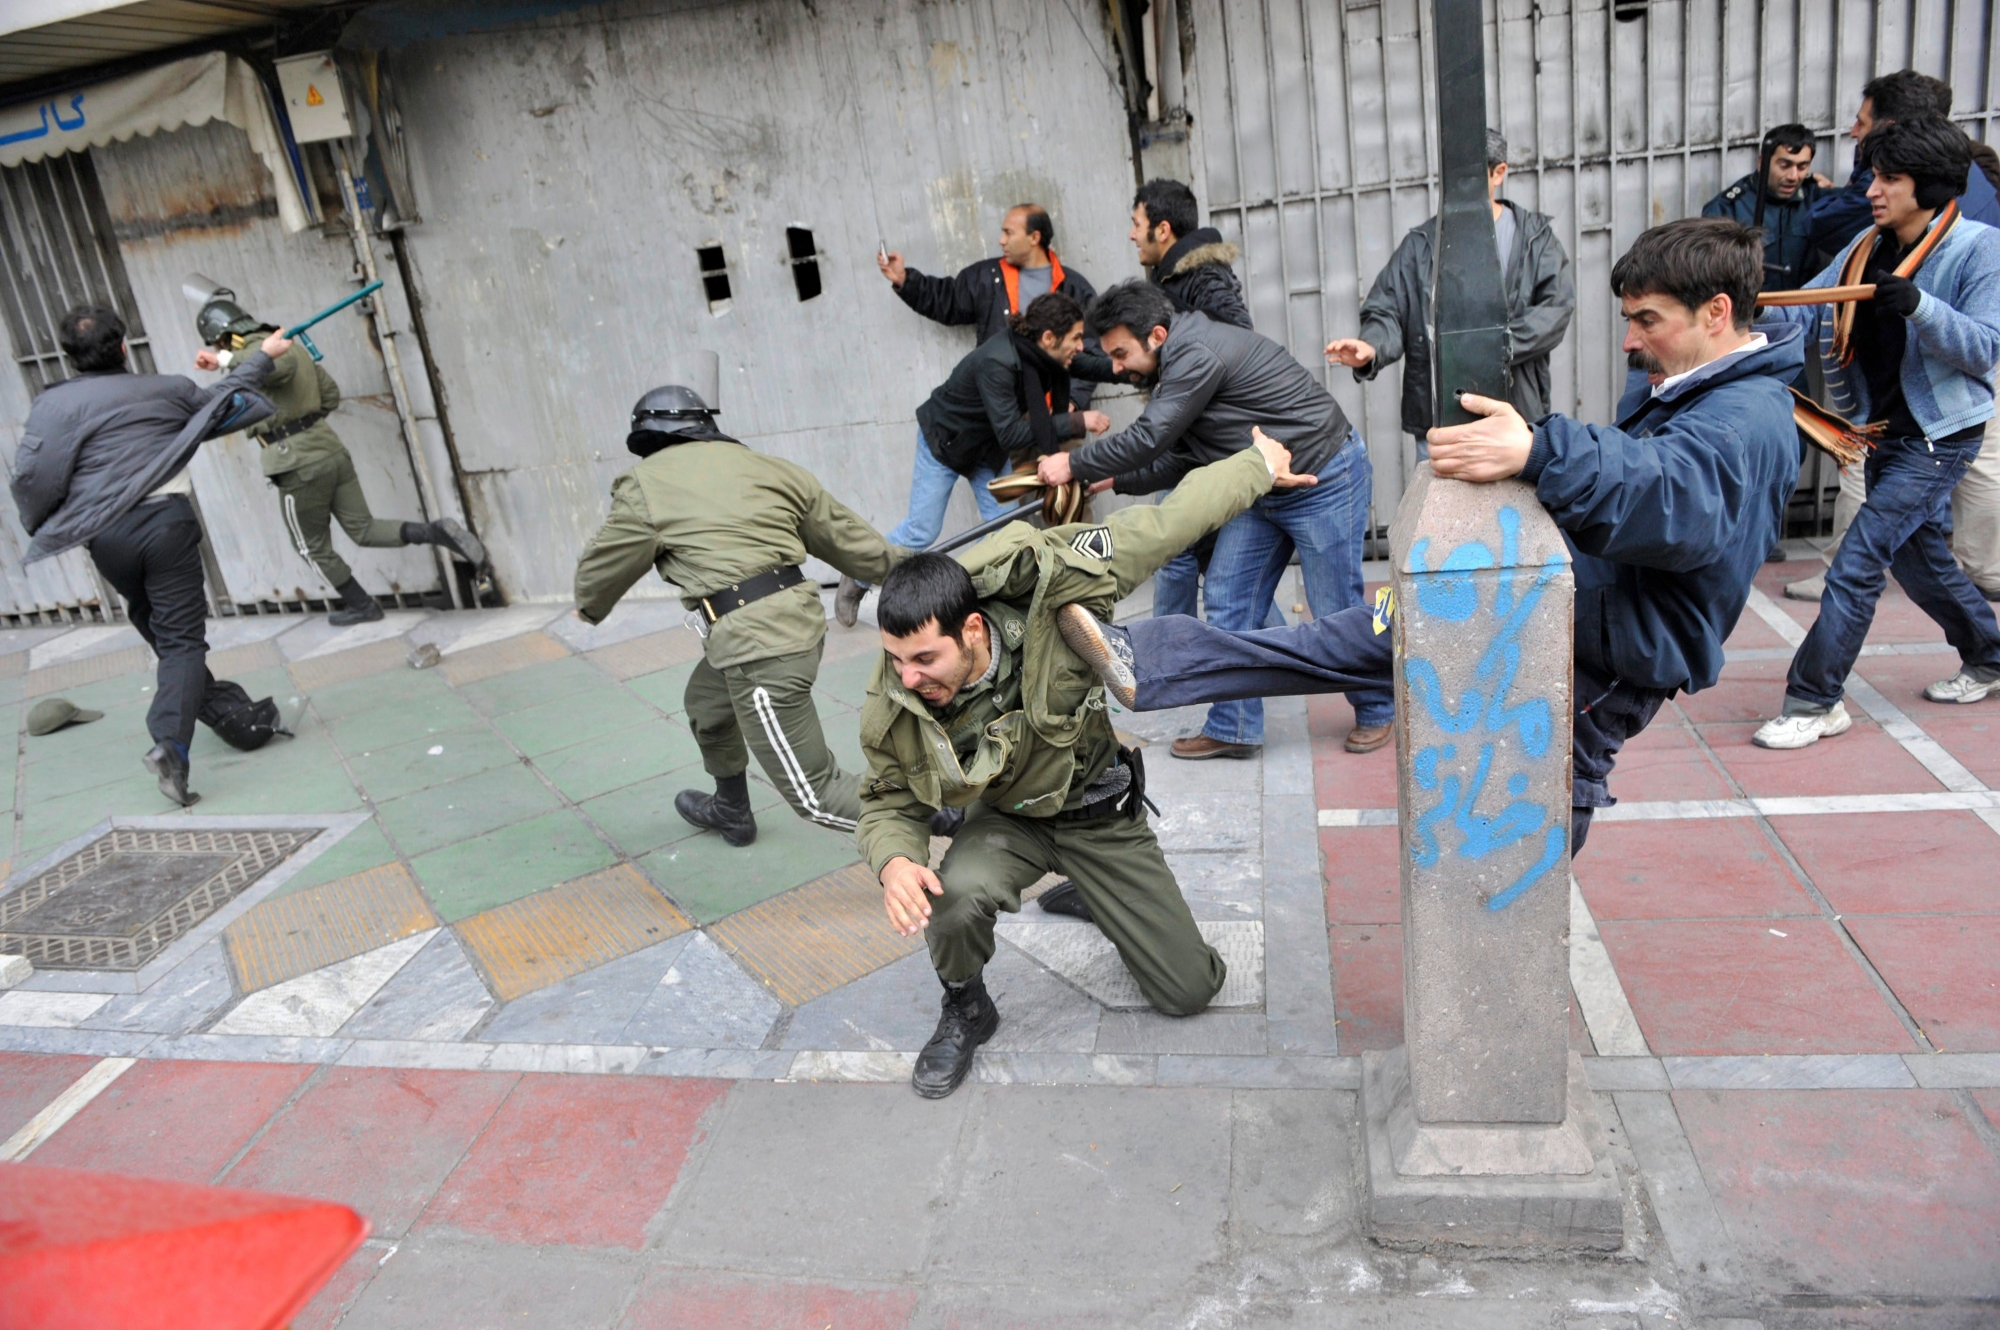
{"points": [[283, 432], [738, 594]]}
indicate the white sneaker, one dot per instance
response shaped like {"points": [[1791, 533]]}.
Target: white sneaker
{"points": [[1961, 687], [1810, 588], [1802, 731]]}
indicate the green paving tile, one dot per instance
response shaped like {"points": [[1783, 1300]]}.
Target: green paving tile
{"points": [[571, 720], [665, 689], [311, 781], [390, 773], [362, 848], [552, 681], [449, 813], [710, 879], [615, 761], [398, 719], [641, 817], [117, 693], [123, 727], [82, 771], [846, 681], [506, 865], [843, 739], [45, 822], [11, 690], [366, 694]]}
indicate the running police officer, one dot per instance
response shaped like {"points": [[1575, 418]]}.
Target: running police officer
{"points": [[729, 527], [310, 466]]}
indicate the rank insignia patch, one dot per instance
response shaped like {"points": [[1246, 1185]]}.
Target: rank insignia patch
{"points": [[1015, 630], [1093, 543]]}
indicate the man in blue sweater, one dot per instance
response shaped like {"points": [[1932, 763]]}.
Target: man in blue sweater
{"points": [[1915, 364], [1668, 517]]}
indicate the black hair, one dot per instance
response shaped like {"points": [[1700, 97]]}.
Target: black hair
{"points": [[1693, 261], [1035, 219], [1929, 149], [922, 588], [1171, 202], [93, 338], [1496, 150], [1136, 305], [1906, 94], [1052, 311], [1789, 137]]}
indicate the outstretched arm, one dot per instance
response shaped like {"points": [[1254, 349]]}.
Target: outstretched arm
{"points": [[621, 552]]}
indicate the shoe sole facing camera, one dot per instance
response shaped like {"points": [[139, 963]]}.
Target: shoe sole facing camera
{"points": [[1086, 637], [1837, 722], [469, 546], [176, 791]]}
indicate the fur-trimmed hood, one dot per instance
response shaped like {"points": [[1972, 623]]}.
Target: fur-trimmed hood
{"points": [[1205, 246]]}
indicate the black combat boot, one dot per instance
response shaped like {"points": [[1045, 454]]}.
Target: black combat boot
{"points": [[356, 606], [1064, 898], [448, 532], [726, 811], [968, 1020], [946, 822], [169, 766]]}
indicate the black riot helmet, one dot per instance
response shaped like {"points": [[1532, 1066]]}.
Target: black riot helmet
{"points": [[669, 415], [222, 318]]}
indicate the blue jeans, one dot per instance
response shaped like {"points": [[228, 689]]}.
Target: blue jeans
{"points": [[1177, 586], [1327, 523], [930, 490], [1905, 526]]}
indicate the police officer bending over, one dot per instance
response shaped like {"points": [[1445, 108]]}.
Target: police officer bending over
{"points": [[978, 704], [311, 467], [729, 527]]}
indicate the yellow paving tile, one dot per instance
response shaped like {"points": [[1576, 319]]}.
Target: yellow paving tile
{"points": [[815, 937], [91, 669], [579, 925], [287, 936], [341, 666], [503, 657], [643, 655]]}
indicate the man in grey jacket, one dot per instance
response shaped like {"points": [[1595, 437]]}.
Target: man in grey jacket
{"points": [[103, 463], [1541, 297]]}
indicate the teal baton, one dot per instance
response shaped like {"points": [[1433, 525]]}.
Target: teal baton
{"points": [[332, 310]]}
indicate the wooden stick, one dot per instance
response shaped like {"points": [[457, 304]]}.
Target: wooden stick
{"points": [[1822, 295]]}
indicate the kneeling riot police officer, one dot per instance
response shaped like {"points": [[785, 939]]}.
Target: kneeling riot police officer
{"points": [[729, 527], [311, 467]]}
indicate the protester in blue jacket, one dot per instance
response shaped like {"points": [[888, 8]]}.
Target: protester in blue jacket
{"points": [[1667, 515], [1841, 214]]}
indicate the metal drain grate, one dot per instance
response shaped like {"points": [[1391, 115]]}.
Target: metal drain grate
{"points": [[122, 899]]}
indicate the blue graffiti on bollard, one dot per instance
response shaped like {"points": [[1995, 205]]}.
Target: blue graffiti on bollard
{"points": [[1450, 593]]}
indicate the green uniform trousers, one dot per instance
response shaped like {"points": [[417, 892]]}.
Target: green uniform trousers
{"points": [[322, 492], [1115, 862], [766, 707]]}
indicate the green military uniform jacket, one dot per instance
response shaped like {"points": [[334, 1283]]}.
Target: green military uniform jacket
{"points": [[710, 513], [298, 386], [1031, 760]]}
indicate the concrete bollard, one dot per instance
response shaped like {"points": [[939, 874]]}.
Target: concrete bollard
{"points": [[1480, 1128]]}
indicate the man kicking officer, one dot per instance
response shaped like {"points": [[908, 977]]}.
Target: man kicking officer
{"points": [[1668, 517]]}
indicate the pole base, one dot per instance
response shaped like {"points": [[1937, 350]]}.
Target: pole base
{"points": [[1472, 1191]]}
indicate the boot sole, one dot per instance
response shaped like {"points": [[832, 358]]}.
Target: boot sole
{"points": [[467, 545], [1239, 752], [1082, 634], [947, 1091], [165, 780]]}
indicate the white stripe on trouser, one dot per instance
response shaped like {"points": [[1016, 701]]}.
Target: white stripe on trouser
{"points": [[808, 798], [298, 534]]}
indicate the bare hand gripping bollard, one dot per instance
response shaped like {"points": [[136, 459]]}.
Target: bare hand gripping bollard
{"points": [[1480, 1128]]}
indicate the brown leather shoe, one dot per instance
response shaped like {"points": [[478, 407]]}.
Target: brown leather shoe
{"points": [[1368, 738], [1198, 746]]}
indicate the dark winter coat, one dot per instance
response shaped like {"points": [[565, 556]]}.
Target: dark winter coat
{"points": [[1197, 273], [978, 417], [1788, 250], [1541, 297], [1669, 515], [97, 444], [978, 296]]}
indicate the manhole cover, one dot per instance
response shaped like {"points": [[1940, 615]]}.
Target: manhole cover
{"points": [[122, 899]]}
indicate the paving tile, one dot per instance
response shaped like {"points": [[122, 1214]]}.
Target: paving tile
{"points": [[1862, 761], [490, 659], [521, 689], [363, 848], [816, 937], [357, 697], [434, 759], [1212, 822], [563, 721], [1363, 868], [648, 652], [180, 1001], [640, 818], [311, 781], [1221, 886], [28, 1081], [1368, 986], [1969, 733], [438, 995], [1667, 761], [182, 1121], [286, 936], [1746, 690], [381, 1140], [1732, 986], [68, 675], [1039, 1013], [572, 927], [1885, 1194], [449, 813], [315, 1005], [1896, 863], [643, 750], [1290, 1168], [673, 1299], [505, 865], [704, 1000], [1209, 1032], [434, 1281], [864, 1166], [665, 689], [1084, 956], [338, 1294], [46, 1010], [846, 680], [1160, 1161], [1659, 870], [593, 1007], [711, 879], [583, 1161], [1943, 971], [895, 1008]]}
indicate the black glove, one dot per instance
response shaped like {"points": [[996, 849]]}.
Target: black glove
{"points": [[1896, 295]]}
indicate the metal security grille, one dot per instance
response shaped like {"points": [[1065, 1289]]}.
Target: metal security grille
{"points": [[57, 250], [1313, 140]]}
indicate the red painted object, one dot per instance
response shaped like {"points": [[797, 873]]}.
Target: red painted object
{"points": [[89, 1251]]}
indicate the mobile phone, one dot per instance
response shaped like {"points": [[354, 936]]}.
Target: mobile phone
{"points": [[882, 250]]}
